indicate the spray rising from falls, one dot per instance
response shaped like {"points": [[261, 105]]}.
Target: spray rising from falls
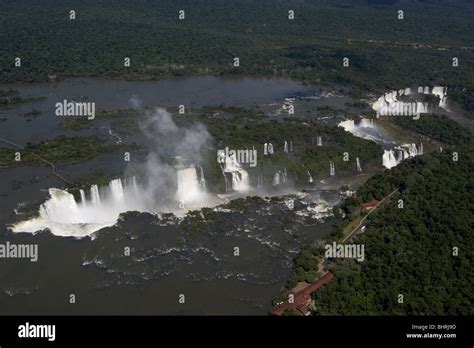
{"points": [[191, 189]]}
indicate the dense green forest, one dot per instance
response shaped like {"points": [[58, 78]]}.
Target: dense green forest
{"points": [[384, 51], [437, 127], [410, 251], [63, 149]]}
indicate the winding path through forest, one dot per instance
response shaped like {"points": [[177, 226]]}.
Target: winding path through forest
{"points": [[49, 163]]}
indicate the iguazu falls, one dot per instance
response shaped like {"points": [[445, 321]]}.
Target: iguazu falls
{"points": [[168, 164]]}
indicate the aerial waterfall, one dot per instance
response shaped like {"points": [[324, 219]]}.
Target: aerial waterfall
{"points": [[310, 178], [359, 167], [63, 216], [240, 181], [83, 196], [393, 157], [95, 195], [319, 141], [240, 177], [284, 175], [390, 103], [285, 147], [365, 128], [332, 168], [270, 148], [202, 180], [227, 186], [260, 180], [116, 188], [276, 179], [189, 186], [389, 160]]}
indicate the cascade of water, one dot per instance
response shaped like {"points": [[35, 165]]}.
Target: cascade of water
{"points": [[400, 154], [284, 176], [359, 167], [389, 160], [94, 193], [265, 149], [225, 178], [332, 168], [240, 181], [62, 215], [244, 181], [366, 122], [285, 147], [441, 92], [189, 189], [83, 196], [393, 157], [310, 178], [412, 150], [240, 177], [405, 154], [116, 188], [202, 180], [61, 207], [134, 184], [260, 180], [276, 179], [270, 148], [319, 141]]}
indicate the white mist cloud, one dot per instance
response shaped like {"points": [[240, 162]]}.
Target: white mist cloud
{"points": [[166, 142], [170, 140]]}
